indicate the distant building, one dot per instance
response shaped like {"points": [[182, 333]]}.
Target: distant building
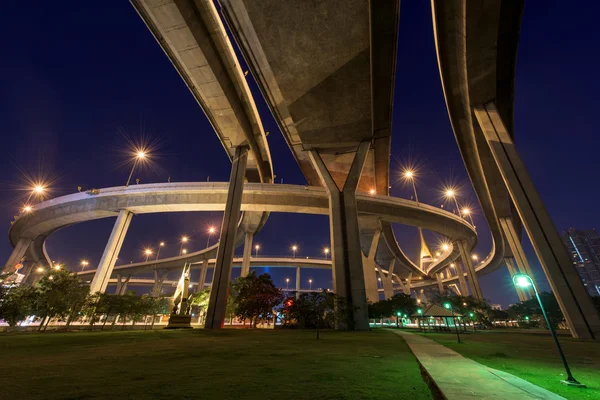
{"points": [[584, 247], [497, 307]]}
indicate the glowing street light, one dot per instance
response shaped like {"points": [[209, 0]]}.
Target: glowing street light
{"points": [[38, 189], [287, 284], [27, 209], [148, 252], [310, 284], [184, 251], [211, 231], [256, 248], [326, 251], [140, 156], [467, 212], [40, 269], [372, 192], [160, 245], [410, 176], [451, 194], [84, 263], [524, 281], [449, 307], [475, 257], [184, 240], [294, 250], [445, 247]]}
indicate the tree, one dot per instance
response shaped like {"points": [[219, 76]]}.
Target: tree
{"points": [[315, 310], [200, 301], [399, 303], [59, 294], [16, 304], [531, 309], [255, 297]]}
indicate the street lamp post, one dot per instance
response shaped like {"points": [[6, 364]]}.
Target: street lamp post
{"points": [[148, 253], [211, 231], [294, 249], [160, 245], [310, 284], [140, 155], [184, 240], [287, 284], [524, 281], [326, 251], [84, 264], [451, 194], [256, 248], [449, 307]]}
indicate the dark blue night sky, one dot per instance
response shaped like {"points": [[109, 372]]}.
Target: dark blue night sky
{"points": [[76, 77]]}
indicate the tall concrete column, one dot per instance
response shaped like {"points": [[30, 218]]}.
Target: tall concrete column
{"points": [[512, 270], [215, 314], [470, 268], [249, 236], [440, 282], [407, 287], [369, 269], [464, 289], [577, 306], [298, 282], [111, 252], [516, 248], [158, 281], [348, 275], [202, 279], [16, 255], [388, 284]]}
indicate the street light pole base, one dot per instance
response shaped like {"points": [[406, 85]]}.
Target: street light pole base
{"points": [[573, 384]]}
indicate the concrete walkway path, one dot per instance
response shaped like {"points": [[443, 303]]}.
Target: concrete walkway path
{"points": [[461, 378]]}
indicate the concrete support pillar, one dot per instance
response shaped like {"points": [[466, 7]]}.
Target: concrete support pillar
{"points": [[119, 284], [471, 274], [215, 314], [17, 254], [247, 253], [512, 270], [369, 269], [158, 281], [348, 275], [202, 279], [388, 284], [577, 306], [111, 252], [406, 289], [124, 285], [464, 289], [440, 282], [298, 282], [508, 228]]}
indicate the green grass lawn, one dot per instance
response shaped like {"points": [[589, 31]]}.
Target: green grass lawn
{"points": [[226, 364], [534, 358]]}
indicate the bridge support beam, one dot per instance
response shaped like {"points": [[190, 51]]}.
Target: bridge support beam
{"points": [[17, 254], [202, 278], [249, 236], [368, 263], [407, 287], [215, 314], [471, 274], [576, 304], [464, 288], [298, 282], [388, 284], [440, 282], [348, 275], [512, 270], [111, 252], [516, 248]]}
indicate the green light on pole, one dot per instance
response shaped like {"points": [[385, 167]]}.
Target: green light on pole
{"points": [[526, 318], [397, 317], [525, 281], [449, 307], [420, 311]]}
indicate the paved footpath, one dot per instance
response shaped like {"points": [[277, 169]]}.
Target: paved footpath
{"points": [[461, 378]]}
